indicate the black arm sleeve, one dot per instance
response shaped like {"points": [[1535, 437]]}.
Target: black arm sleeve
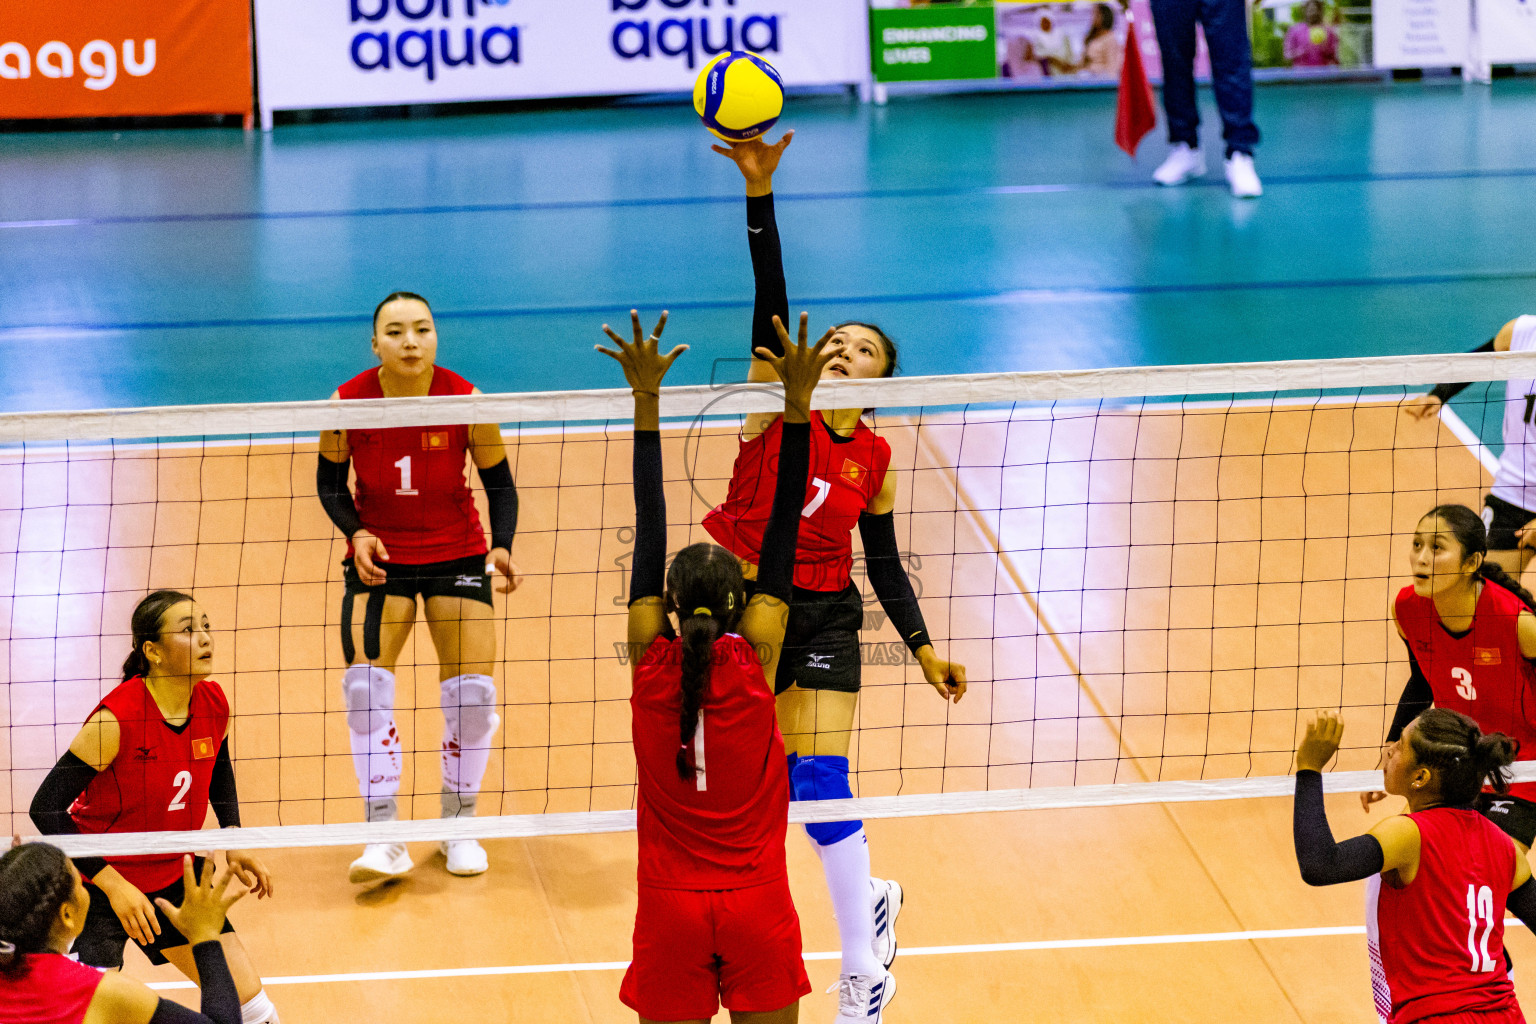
{"points": [[888, 576], [1417, 698], [1522, 903], [1446, 392], [222, 795], [336, 496], [50, 805], [501, 497], [221, 1003], [772, 295], [1324, 862], [648, 576], [776, 562]]}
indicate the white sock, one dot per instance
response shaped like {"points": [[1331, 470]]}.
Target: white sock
{"points": [[846, 865], [377, 759], [469, 724], [258, 1010]]}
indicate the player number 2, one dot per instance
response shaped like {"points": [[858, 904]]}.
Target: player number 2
{"points": [[1479, 906], [179, 801], [404, 466], [1464, 683], [822, 490]]}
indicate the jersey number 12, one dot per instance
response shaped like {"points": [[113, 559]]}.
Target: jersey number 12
{"points": [[1479, 906]]}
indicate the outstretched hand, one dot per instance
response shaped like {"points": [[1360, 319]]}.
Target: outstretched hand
{"points": [[1324, 734], [1422, 407], [757, 160], [644, 366], [799, 367]]}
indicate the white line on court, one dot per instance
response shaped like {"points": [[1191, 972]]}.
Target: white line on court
{"points": [[906, 951]]}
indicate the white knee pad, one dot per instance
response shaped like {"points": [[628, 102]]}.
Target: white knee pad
{"points": [[258, 1010], [370, 696], [469, 709]]}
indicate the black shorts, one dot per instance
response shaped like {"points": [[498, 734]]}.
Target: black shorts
{"points": [[101, 944], [1514, 816], [462, 577], [1503, 519], [821, 640]]}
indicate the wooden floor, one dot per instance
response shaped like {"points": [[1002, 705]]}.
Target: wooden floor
{"points": [[1139, 592]]}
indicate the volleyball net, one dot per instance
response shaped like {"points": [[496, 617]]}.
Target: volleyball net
{"points": [[1152, 575]]}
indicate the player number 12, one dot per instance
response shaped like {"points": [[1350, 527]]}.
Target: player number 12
{"points": [[1479, 905]]}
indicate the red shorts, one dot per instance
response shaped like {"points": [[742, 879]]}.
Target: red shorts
{"points": [[1509, 1016], [696, 950]]}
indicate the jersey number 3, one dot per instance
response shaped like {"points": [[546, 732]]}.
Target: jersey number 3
{"points": [[1479, 906], [183, 780], [1464, 685]]}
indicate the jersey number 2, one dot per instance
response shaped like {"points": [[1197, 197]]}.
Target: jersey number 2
{"points": [[179, 801], [405, 488], [1464, 683], [1479, 906]]}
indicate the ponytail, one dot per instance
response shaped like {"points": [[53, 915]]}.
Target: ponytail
{"points": [[704, 585], [34, 883], [1494, 573], [145, 626], [699, 633], [1464, 757]]}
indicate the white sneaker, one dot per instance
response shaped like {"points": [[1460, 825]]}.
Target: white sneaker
{"points": [[1242, 178], [465, 857], [862, 998], [381, 861], [1182, 164], [887, 908]]}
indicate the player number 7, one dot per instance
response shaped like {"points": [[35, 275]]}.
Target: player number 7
{"points": [[822, 490]]}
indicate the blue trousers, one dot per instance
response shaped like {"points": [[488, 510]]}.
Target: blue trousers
{"points": [[1226, 36]]}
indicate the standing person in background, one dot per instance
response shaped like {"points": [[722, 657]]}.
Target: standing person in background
{"points": [[1226, 35], [411, 530]]}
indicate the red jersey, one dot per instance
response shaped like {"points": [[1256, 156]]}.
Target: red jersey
{"points": [[158, 782], [412, 493], [845, 475], [724, 830], [1437, 946], [54, 990], [1481, 674]]}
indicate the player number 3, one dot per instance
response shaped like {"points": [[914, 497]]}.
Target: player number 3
{"points": [[1464, 683], [1479, 905], [183, 781]]}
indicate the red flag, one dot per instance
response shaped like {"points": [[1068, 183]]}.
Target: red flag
{"points": [[1134, 113]]}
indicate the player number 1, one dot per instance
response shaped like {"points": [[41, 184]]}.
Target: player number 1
{"points": [[1479, 905], [404, 466], [179, 801]]}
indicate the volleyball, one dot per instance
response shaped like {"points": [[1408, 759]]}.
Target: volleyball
{"points": [[738, 96]]}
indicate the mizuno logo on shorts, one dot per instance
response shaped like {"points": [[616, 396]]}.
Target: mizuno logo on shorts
{"points": [[1499, 806], [819, 661], [468, 581]]}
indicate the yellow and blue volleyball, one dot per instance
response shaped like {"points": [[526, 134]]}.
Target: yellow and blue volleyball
{"points": [[738, 96]]}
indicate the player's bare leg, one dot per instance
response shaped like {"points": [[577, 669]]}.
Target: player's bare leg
{"points": [[464, 635], [369, 691], [255, 1007]]}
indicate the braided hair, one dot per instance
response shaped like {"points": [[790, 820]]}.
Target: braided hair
{"points": [[34, 883], [1464, 757], [705, 587], [147, 617], [1471, 533]]}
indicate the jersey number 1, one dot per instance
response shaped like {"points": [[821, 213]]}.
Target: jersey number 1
{"points": [[405, 488], [179, 801], [1479, 906]]}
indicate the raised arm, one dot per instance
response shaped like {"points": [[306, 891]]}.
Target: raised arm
{"points": [[1425, 406], [1323, 861], [644, 368], [800, 368]]}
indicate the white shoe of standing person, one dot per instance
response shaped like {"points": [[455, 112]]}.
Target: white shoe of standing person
{"points": [[465, 857], [381, 861], [887, 906], [1242, 178], [1181, 164], [862, 998]]}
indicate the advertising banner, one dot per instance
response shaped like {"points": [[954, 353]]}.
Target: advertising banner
{"points": [[343, 53], [1506, 31], [1312, 35], [105, 58], [925, 44], [1421, 33]]}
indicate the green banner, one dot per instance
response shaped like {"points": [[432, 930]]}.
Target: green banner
{"points": [[923, 44]]}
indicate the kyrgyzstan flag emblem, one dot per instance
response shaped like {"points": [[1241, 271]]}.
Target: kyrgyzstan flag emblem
{"points": [[432, 440], [853, 472], [202, 748], [1486, 656]]}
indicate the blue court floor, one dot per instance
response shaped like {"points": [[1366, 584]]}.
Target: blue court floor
{"points": [[986, 232]]}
